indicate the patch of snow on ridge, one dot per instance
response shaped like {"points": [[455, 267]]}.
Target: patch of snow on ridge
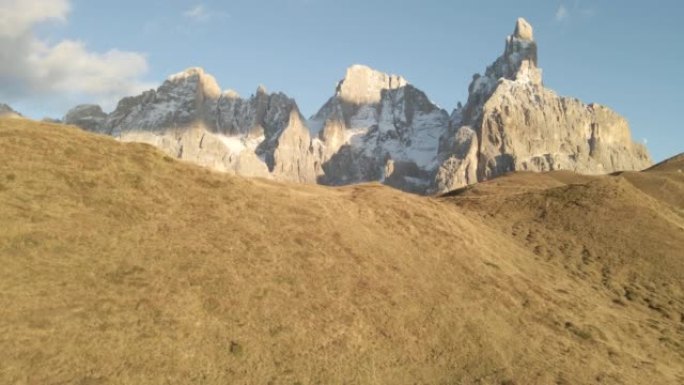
{"points": [[234, 143], [238, 144]]}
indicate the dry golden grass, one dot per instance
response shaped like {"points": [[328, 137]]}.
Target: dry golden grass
{"points": [[120, 265]]}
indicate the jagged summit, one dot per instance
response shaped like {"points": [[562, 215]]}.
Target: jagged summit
{"points": [[518, 63], [523, 30], [196, 77], [362, 84], [519, 60]]}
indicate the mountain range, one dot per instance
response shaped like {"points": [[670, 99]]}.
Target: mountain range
{"points": [[379, 127]]}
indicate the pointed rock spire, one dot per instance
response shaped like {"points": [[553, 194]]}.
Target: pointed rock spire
{"points": [[523, 30]]}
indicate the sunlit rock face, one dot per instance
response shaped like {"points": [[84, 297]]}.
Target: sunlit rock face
{"points": [[511, 122]]}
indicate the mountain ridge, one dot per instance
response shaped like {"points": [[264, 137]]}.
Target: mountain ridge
{"points": [[379, 127]]}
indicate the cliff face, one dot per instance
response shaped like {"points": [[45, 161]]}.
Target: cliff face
{"points": [[511, 122]]}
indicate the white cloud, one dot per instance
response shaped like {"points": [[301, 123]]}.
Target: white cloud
{"points": [[197, 13], [17, 17], [576, 9], [561, 13], [33, 68], [201, 14]]}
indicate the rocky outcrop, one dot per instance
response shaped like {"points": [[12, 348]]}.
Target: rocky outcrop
{"points": [[512, 123], [378, 127], [7, 112]]}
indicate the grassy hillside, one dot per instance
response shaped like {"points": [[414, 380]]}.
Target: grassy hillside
{"points": [[121, 265]]}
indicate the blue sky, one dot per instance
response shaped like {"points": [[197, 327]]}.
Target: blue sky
{"points": [[627, 55]]}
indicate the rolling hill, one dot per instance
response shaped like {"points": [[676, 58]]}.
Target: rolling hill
{"points": [[119, 264]]}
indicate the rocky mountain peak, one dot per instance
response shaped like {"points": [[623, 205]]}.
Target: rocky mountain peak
{"points": [[364, 85], [523, 30], [196, 77], [519, 61]]}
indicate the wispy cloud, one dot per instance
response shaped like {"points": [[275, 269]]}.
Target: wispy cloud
{"points": [[197, 13], [561, 13], [566, 12], [200, 13], [37, 69]]}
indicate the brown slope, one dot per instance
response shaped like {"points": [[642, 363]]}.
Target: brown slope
{"points": [[120, 265], [623, 234], [663, 182], [673, 164]]}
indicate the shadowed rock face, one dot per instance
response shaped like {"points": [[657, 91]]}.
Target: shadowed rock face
{"points": [[378, 127], [512, 123]]}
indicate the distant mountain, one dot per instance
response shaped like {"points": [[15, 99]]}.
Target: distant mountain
{"points": [[192, 119], [378, 127], [7, 111]]}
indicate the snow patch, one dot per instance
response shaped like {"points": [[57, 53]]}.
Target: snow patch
{"points": [[235, 144]]}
